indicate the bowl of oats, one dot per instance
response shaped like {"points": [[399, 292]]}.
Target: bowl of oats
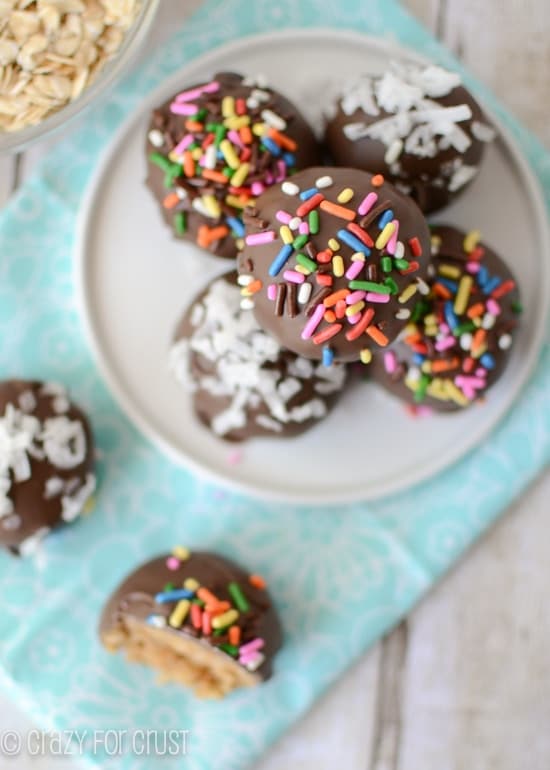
{"points": [[58, 56]]}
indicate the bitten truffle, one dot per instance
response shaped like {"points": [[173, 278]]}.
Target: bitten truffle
{"points": [[46, 462], [244, 383], [416, 125], [212, 148], [459, 338], [198, 619]]}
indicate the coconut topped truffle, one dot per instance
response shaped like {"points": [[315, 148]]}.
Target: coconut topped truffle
{"points": [[415, 124], [214, 147], [46, 462], [244, 383], [459, 339], [198, 619], [334, 259]]}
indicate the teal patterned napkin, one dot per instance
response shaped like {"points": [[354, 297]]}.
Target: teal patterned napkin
{"points": [[339, 583]]}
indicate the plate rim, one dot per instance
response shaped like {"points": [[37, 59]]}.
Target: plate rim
{"points": [[165, 445]]}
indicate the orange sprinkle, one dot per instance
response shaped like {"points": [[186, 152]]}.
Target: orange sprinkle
{"points": [[217, 608], [445, 365], [468, 365], [254, 286], [478, 340], [441, 291], [410, 339], [206, 623], [208, 235], [171, 200], [330, 316], [193, 125], [246, 135], [341, 308], [188, 164], [378, 336], [377, 180], [338, 211], [476, 310], [207, 141], [323, 279], [257, 581], [361, 325], [196, 616], [282, 139], [215, 176], [504, 288], [326, 334], [333, 298], [207, 596], [235, 635], [246, 154], [325, 256]]}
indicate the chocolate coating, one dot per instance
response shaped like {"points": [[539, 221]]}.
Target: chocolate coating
{"points": [[244, 383], [46, 462], [135, 599], [427, 343], [377, 127], [266, 164], [382, 275]]}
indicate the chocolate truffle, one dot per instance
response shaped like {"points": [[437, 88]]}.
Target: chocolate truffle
{"points": [[459, 336], [196, 618], [335, 257], [416, 125], [214, 147], [244, 383], [46, 462]]}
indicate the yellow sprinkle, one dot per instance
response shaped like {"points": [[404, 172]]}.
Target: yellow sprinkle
{"points": [[430, 319], [225, 619], [338, 266], [411, 383], [239, 121], [346, 195], [286, 234], [259, 129], [385, 235], [431, 331], [238, 202], [449, 271], [229, 154], [479, 351], [89, 506], [333, 244], [455, 394], [228, 106], [436, 243], [410, 328], [196, 154], [436, 389], [239, 243], [174, 157], [240, 175], [366, 356], [181, 552], [463, 294], [471, 240], [179, 613], [353, 309], [477, 322], [426, 367], [358, 257], [212, 205], [191, 584], [302, 269], [407, 293]]}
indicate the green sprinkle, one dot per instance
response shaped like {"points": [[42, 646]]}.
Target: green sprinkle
{"points": [[168, 587], [212, 127], [300, 241], [420, 392], [159, 160], [220, 132], [172, 173], [180, 225], [228, 172], [219, 632], [466, 326], [310, 264], [517, 307], [313, 221], [239, 599], [198, 601], [377, 288], [391, 284], [199, 116], [401, 264], [230, 649], [420, 309], [386, 264]]}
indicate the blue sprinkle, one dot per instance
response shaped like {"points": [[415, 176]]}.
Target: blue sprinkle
{"points": [[487, 361], [289, 158], [491, 284], [450, 315], [328, 356], [482, 276], [418, 359], [307, 194], [385, 219], [451, 285], [280, 260], [220, 155], [353, 242], [236, 225], [173, 596], [270, 145]]}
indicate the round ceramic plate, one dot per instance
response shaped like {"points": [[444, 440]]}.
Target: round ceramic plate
{"points": [[135, 281]]}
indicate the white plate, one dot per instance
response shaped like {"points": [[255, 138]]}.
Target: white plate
{"points": [[135, 281]]}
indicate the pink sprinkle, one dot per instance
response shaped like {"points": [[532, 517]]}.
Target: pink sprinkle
{"points": [[235, 457], [444, 328], [235, 138], [355, 296], [252, 658], [183, 109], [269, 178], [183, 145], [445, 343], [281, 166], [423, 411], [252, 646], [313, 322], [272, 292], [468, 392], [381, 299], [194, 93], [473, 267], [392, 243], [257, 188], [469, 382], [354, 269], [172, 563], [493, 307], [481, 372], [293, 276], [367, 203], [303, 228], [353, 319], [283, 216], [390, 362], [258, 239]]}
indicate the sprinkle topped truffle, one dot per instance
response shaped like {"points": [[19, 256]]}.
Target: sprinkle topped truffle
{"points": [[336, 258], [46, 462], [213, 148], [459, 338], [416, 125], [198, 619]]}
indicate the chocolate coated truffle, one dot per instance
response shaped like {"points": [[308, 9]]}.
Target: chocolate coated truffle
{"points": [[336, 257], [416, 125], [459, 338], [212, 148], [196, 618], [244, 383], [46, 462]]}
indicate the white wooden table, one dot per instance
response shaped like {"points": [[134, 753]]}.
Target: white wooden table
{"points": [[464, 682]]}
